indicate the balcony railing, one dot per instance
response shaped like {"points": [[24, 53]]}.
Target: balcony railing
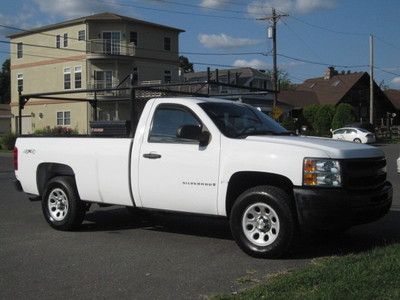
{"points": [[110, 47]]}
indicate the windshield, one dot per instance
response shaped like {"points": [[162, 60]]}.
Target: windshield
{"points": [[240, 120]]}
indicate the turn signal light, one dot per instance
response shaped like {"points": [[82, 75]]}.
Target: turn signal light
{"points": [[15, 158]]}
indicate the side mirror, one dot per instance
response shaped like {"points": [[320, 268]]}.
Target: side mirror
{"points": [[193, 132]]}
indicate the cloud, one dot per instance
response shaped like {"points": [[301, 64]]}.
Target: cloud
{"points": [[256, 8], [75, 8], [254, 63], [396, 80], [22, 20], [222, 40], [214, 3]]}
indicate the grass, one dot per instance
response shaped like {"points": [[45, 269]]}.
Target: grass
{"points": [[374, 274]]}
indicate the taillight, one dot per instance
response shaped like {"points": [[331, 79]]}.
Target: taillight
{"points": [[15, 158]]}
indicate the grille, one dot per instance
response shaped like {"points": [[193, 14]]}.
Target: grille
{"points": [[368, 173]]}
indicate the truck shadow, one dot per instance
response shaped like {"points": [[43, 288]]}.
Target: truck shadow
{"points": [[358, 239]]}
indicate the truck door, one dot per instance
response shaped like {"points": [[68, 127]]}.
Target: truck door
{"points": [[177, 174]]}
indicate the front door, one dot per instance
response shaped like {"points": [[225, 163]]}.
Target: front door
{"points": [[177, 174]]}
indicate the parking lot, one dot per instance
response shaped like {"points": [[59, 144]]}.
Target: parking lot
{"points": [[162, 256]]}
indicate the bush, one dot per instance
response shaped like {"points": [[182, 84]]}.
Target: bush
{"points": [[56, 131], [310, 113], [323, 119], [8, 141], [344, 115], [289, 124]]}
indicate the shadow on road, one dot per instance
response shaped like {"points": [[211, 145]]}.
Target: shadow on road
{"points": [[358, 239]]}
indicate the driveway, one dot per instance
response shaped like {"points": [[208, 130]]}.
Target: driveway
{"points": [[161, 257]]}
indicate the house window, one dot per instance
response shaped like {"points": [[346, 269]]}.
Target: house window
{"points": [[167, 43], [20, 82], [19, 50], [103, 79], [63, 118], [81, 35], [65, 39], [67, 78], [167, 76], [58, 41], [133, 37], [78, 77]]}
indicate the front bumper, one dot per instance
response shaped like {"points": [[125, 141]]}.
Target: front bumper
{"points": [[319, 208]]}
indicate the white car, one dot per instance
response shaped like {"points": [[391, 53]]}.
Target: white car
{"points": [[357, 135], [398, 165]]}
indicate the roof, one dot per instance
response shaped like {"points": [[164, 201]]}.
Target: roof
{"points": [[332, 90], [245, 72], [394, 97], [105, 16], [298, 99]]}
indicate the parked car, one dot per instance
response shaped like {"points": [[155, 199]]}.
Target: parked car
{"points": [[357, 135], [398, 165], [212, 157]]}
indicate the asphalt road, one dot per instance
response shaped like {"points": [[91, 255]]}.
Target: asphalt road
{"points": [[163, 257]]}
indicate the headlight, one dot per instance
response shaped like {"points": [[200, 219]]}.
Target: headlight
{"points": [[321, 172]]}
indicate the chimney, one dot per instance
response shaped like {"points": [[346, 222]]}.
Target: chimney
{"points": [[329, 73]]}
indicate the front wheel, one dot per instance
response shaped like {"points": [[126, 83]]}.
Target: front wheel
{"points": [[61, 205], [262, 222]]}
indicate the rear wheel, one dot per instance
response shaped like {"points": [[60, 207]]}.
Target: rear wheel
{"points": [[61, 205], [262, 222], [357, 140]]}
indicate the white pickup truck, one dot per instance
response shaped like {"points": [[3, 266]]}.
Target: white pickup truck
{"points": [[212, 157]]}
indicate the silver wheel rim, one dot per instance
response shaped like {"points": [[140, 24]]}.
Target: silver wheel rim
{"points": [[58, 204], [260, 224]]}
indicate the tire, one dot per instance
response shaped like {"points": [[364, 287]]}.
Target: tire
{"points": [[357, 140], [61, 205], [263, 223]]}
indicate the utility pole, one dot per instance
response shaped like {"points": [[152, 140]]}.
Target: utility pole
{"points": [[371, 79], [274, 18]]}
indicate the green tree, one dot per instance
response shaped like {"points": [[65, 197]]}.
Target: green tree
{"points": [[185, 64], [5, 85], [284, 82], [323, 119], [310, 112], [343, 115]]}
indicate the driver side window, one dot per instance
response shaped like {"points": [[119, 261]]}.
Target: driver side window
{"points": [[167, 120]]}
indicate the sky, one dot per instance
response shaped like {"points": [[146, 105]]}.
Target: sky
{"points": [[221, 33]]}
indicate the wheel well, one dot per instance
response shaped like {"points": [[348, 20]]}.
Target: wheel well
{"points": [[242, 181], [47, 171]]}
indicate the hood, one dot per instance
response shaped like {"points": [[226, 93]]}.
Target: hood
{"points": [[333, 148]]}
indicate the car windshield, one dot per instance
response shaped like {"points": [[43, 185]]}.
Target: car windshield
{"points": [[241, 120]]}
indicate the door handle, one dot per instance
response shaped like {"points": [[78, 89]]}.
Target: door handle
{"points": [[152, 155]]}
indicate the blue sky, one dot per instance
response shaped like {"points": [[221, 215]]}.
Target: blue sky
{"points": [[332, 32]]}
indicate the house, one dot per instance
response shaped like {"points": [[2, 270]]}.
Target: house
{"points": [[5, 118], [96, 51], [245, 76], [394, 97], [352, 88]]}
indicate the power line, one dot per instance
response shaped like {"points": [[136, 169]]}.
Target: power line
{"points": [[173, 11], [329, 29], [302, 40], [122, 46], [387, 43], [322, 63], [388, 72]]}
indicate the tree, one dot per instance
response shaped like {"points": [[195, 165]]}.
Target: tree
{"points": [[185, 64], [344, 115], [309, 113], [5, 85], [323, 119], [284, 82]]}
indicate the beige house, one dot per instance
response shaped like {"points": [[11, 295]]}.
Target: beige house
{"points": [[96, 51], [5, 119]]}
